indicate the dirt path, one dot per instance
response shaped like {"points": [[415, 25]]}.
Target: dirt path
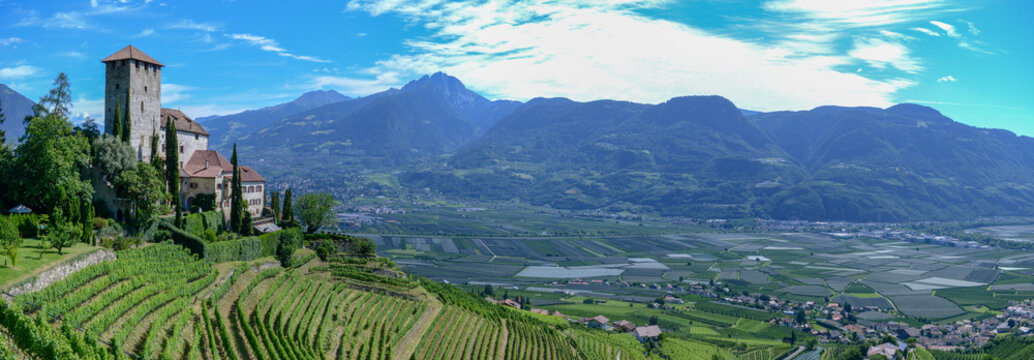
{"points": [[408, 345]]}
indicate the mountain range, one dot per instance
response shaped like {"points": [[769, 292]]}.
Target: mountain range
{"points": [[15, 108], [697, 156]]}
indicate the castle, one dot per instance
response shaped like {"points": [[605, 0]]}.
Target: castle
{"points": [[133, 86]]}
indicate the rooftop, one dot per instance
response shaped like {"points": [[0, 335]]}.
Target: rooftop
{"points": [[130, 52], [182, 121]]}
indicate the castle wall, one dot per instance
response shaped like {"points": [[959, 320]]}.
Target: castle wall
{"points": [[189, 143], [252, 194], [143, 81]]}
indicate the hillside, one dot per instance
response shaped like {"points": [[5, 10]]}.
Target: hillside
{"points": [[903, 162], [692, 156], [15, 107], [428, 117], [226, 129]]}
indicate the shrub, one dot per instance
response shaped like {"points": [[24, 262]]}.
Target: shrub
{"points": [[99, 223]]}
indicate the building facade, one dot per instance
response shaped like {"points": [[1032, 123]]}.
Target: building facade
{"points": [[205, 175]]}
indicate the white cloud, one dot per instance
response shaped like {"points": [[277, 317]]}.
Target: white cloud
{"points": [[267, 44], [589, 50], [354, 86], [948, 28], [10, 41], [83, 108], [948, 78], [171, 93], [972, 28], [857, 13], [188, 24], [926, 31], [72, 54], [18, 72], [145, 33], [880, 53]]}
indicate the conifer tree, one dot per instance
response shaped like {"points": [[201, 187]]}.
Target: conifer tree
{"points": [[2, 119], [172, 171], [235, 195], [116, 128], [156, 160], [275, 205], [126, 124], [288, 213]]}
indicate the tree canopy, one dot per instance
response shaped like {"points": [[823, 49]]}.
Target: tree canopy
{"points": [[113, 156], [316, 210]]}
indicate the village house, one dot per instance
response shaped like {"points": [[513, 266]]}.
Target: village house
{"points": [[646, 333], [133, 88]]}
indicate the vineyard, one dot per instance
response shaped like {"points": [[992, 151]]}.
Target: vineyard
{"points": [[163, 302]]}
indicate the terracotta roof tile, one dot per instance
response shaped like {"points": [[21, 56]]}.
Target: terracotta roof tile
{"points": [[131, 52], [206, 164], [250, 175], [182, 121]]}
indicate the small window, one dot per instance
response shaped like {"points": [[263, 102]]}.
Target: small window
{"points": [[141, 106], [137, 63], [145, 89], [116, 86], [181, 149], [195, 137], [219, 186]]}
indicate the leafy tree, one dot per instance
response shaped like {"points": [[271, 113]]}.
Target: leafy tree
{"points": [[246, 223], [88, 129], [236, 198], [810, 344], [365, 247], [316, 210], [156, 160], [286, 247], [653, 320], [86, 221], [800, 317], [50, 158], [326, 249], [852, 353], [113, 156], [127, 126], [172, 169], [287, 219], [63, 236], [144, 186], [10, 240]]}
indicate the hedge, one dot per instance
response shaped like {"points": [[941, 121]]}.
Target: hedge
{"points": [[27, 224], [197, 223], [243, 249]]}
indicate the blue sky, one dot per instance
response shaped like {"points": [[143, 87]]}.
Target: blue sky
{"points": [[968, 59]]}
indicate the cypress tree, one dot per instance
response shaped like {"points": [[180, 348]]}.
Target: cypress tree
{"points": [[156, 160], [275, 205], [288, 213], [2, 119], [127, 127], [235, 195], [172, 171], [116, 128]]}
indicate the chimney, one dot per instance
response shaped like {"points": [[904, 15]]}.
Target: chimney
{"points": [[206, 164]]}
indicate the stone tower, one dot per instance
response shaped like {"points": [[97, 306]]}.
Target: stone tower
{"points": [[131, 70]]}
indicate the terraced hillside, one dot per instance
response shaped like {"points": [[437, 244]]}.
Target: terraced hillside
{"points": [[162, 302]]}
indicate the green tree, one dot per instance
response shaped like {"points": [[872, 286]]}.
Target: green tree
{"points": [[316, 210], [156, 160], [3, 136], [172, 169], [63, 235], [289, 242], [127, 126], [86, 221], [50, 157], [112, 156], [10, 240], [236, 198], [365, 247], [287, 218], [275, 206], [246, 223], [143, 185], [852, 353], [57, 101], [116, 127]]}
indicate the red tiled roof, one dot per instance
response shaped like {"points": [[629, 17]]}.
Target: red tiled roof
{"points": [[250, 175], [182, 121], [651, 331], [206, 164], [130, 52]]}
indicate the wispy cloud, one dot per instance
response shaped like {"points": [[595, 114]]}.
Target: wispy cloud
{"points": [[84, 108], [948, 28], [881, 53], [948, 78], [926, 31], [145, 33], [188, 24], [10, 41], [72, 54], [172, 93], [972, 28], [858, 13], [589, 50], [354, 86], [267, 44], [18, 72]]}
